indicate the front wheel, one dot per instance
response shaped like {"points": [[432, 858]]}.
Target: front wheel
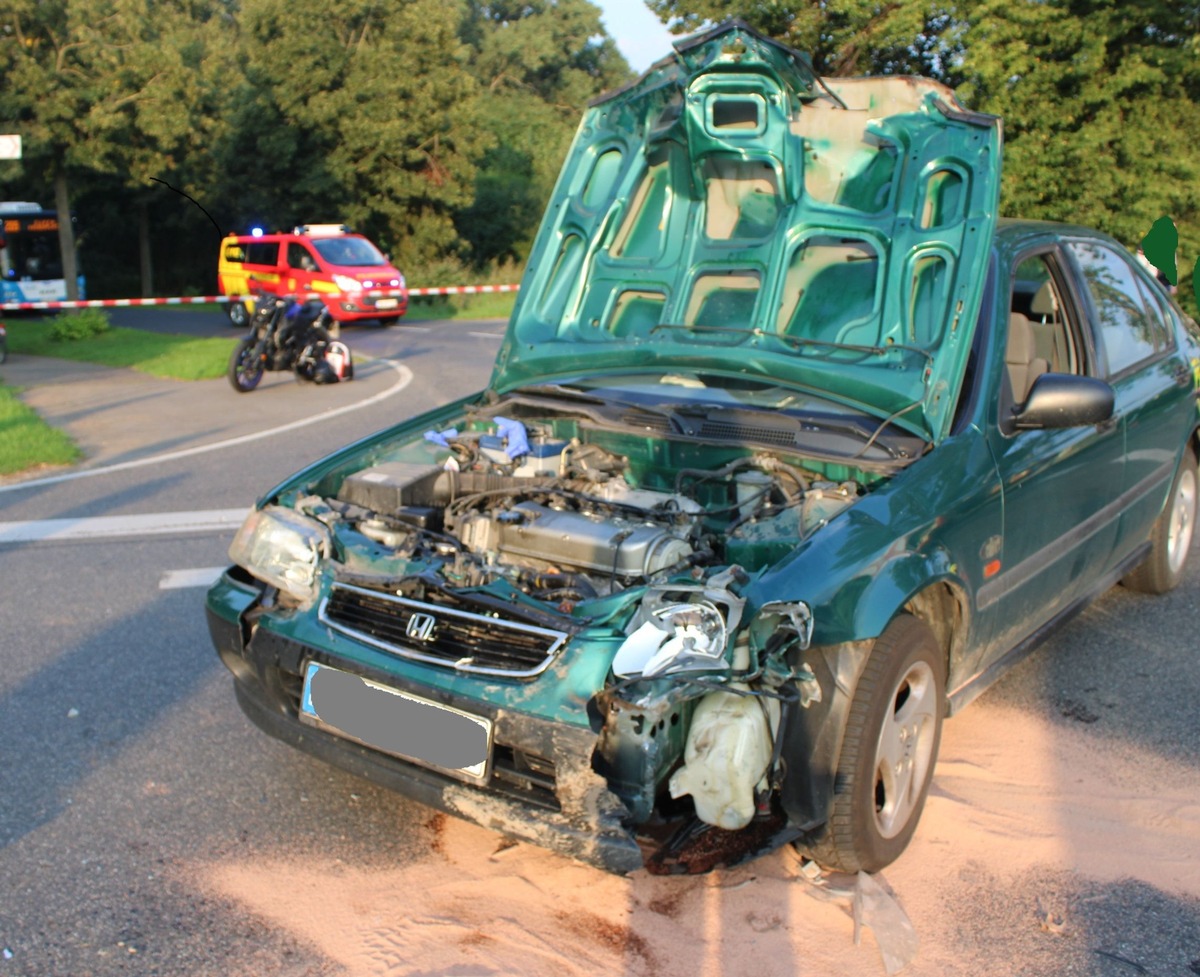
{"points": [[245, 366], [888, 752], [1171, 537]]}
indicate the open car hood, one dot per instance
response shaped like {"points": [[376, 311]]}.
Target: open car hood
{"points": [[732, 211]]}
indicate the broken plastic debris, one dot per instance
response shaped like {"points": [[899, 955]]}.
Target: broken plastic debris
{"points": [[6, 953], [894, 933], [811, 871], [834, 887], [72, 712], [1050, 921]]}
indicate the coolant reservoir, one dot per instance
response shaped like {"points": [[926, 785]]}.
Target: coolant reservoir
{"points": [[726, 757]]}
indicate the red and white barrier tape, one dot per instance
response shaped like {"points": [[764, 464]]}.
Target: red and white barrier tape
{"points": [[205, 299]]}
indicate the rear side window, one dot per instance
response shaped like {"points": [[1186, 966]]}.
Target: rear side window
{"points": [[262, 253], [1128, 330]]}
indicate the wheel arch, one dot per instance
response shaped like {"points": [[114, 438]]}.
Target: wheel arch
{"points": [[944, 607], [814, 736]]}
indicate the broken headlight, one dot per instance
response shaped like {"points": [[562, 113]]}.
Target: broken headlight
{"points": [[283, 548], [675, 638]]}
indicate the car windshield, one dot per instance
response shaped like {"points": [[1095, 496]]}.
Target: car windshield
{"points": [[352, 251]]}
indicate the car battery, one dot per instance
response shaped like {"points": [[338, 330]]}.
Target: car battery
{"points": [[545, 457]]}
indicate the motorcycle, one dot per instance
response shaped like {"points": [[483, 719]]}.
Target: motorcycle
{"points": [[289, 335]]}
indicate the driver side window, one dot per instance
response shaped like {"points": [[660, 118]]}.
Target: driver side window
{"points": [[1040, 337], [298, 257]]}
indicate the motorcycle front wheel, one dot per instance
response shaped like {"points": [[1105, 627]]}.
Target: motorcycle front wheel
{"points": [[245, 366]]}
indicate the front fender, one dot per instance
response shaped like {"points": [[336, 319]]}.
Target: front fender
{"points": [[894, 587]]}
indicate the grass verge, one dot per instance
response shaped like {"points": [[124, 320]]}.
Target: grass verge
{"points": [[158, 354], [26, 440], [492, 305]]}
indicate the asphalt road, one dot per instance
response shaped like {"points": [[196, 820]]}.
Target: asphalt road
{"points": [[122, 752], [126, 767]]}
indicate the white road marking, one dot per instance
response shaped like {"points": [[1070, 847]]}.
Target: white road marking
{"points": [[405, 378], [197, 577], [485, 335], [106, 527], [418, 329]]}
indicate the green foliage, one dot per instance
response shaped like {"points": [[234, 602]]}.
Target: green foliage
{"points": [[1101, 103], [27, 441], [436, 128], [460, 307], [70, 327], [537, 65], [843, 37]]}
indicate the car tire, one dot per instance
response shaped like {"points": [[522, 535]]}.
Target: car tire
{"points": [[888, 751], [245, 366], [1171, 537], [239, 315]]}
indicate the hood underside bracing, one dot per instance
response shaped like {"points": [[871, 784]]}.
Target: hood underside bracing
{"points": [[732, 210]]}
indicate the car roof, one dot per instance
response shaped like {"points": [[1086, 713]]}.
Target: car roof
{"points": [[1011, 231]]}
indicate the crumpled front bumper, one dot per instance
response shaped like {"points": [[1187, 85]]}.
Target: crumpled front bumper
{"points": [[583, 819]]}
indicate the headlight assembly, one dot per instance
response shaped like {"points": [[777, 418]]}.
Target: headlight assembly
{"points": [[283, 548], [675, 638], [347, 284]]}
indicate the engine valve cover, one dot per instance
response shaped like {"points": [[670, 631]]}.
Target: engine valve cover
{"points": [[568, 539]]}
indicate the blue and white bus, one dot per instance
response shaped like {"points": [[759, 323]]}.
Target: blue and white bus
{"points": [[31, 267]]}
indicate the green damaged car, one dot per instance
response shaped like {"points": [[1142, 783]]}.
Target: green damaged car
{"points": [[791, 447]]}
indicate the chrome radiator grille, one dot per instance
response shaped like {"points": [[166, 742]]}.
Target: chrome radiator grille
{"points": [[441, 635]]}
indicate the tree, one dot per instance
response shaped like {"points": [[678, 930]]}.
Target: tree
{"points": [[1100, 103], [108, 86], [843, 37], [538, 64], [360, 111]]}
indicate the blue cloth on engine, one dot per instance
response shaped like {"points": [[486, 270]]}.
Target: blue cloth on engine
{"points": [[516, 440], [442, 438]]}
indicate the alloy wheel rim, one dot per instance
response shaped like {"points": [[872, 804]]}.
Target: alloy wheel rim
{"points": [[905, 749], [1179, 533]]}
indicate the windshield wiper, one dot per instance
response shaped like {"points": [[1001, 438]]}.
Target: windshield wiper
{"points": [[557, 390], [553, 390]]}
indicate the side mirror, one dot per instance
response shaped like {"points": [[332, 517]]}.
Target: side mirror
{"points": [[1058, 400]]}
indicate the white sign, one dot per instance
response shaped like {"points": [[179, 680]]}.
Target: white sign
{"points": [[10, 147]]}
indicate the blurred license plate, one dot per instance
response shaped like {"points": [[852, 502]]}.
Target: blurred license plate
{"points": [[387, 303], [395, 722]]}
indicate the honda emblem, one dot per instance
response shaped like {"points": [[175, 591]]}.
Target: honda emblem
{"points": [[420, 627]]}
